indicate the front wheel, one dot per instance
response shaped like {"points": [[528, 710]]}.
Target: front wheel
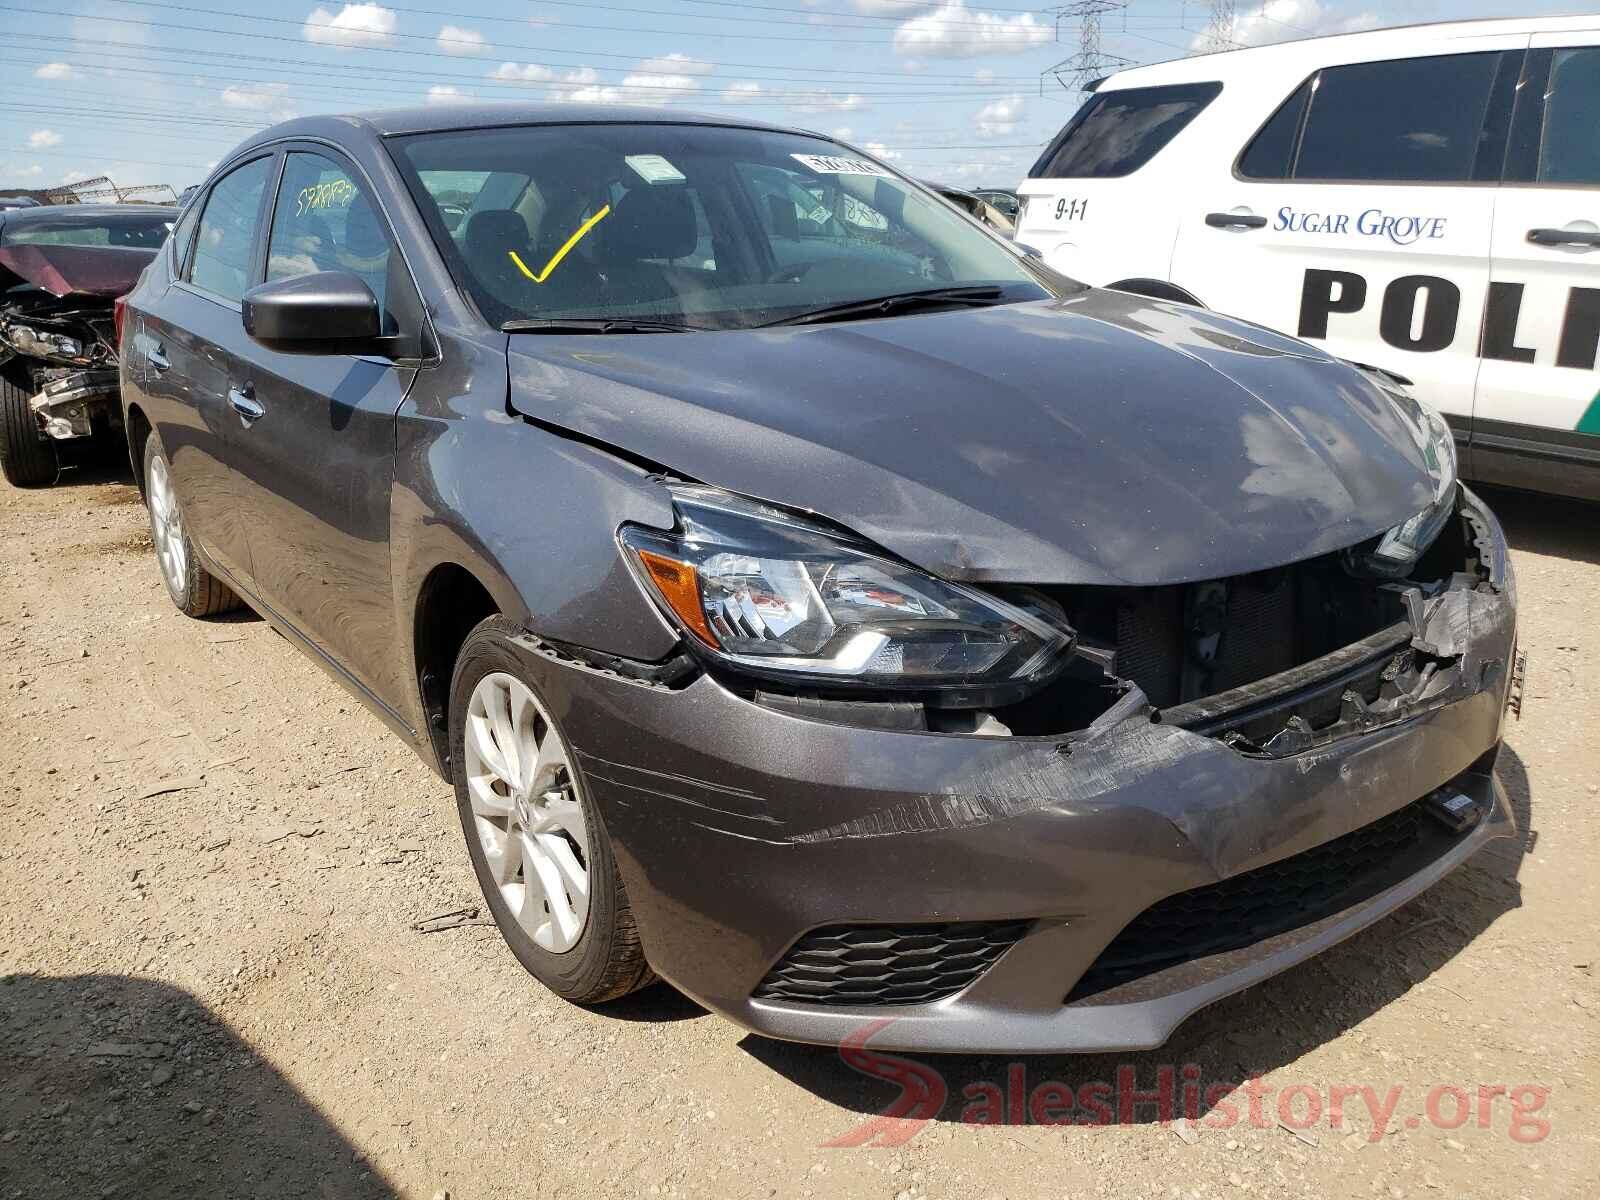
{"points": [[26, 458], [538, 846], [195, 590]]}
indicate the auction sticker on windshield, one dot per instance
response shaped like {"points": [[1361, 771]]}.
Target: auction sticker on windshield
{"points": [[828, 164]]}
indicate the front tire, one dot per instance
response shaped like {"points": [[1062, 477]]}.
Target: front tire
{"points": [[536, 840], [26, 458], [195, 590]]}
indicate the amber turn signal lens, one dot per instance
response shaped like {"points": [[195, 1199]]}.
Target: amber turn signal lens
{"points": [[679, 585]]}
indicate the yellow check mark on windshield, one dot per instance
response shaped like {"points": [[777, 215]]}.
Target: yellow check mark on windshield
{"points": [[555, 259]]}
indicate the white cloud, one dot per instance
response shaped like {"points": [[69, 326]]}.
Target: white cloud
{"points": [[879, 150], [891, 8], [676, 64], [529, 73], [843, 133], [74, 175], [271, 98], [955, 31], [442, 93], [641, 86], [649, 88], [54, 70], [744, 90], [42, 139], [999, 118], [453, 39], [364, 25], [1280, 20], [821, 102], [31, 171]]}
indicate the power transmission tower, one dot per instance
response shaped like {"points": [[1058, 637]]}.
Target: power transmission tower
{"points": [[1090, 62], [1219, 30]]}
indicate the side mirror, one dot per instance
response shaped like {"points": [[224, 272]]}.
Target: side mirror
{"points": [[330, 312]]}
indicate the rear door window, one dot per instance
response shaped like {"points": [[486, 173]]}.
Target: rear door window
{"points": [[1116, 133], [1415, 120], [1569, 151], [224, 251]]}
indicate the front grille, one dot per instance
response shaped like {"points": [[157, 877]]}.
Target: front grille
{"points": [[887, 964], [1258, 904]]}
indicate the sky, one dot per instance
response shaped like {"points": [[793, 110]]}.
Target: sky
{"points": [[956, 91]]}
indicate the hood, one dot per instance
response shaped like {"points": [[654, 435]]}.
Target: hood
{"points": [[107, 271], [1101, 439]]}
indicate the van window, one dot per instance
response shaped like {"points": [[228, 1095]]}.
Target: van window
{"points": [[1409, 121], [1116, 133], [1271, 154], [1570, 149]]}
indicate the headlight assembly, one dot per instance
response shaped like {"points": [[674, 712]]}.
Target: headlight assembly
{"points": [[1400, 548], [770, 593]]}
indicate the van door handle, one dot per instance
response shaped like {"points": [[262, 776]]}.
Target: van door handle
{"points": [[1222, 220], [1563, 237], [243, 401], [157, 358]]}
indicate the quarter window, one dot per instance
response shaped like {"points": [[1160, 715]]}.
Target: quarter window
{"points": [[1116, 133], [1570, 149], [325, 221], [225, 247], [1408, 121]]}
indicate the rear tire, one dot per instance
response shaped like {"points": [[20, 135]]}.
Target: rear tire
{"points": [[533, 833], [195, 590], [27, 459]]}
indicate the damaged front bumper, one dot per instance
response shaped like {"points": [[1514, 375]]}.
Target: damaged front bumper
{"points": [[68, 405], [1032, 894]]}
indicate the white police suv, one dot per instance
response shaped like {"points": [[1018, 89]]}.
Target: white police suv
{"points": [[1425, 200]]}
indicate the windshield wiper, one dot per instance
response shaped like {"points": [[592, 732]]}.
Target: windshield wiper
{"points": [[881, 306], [593, 325]]}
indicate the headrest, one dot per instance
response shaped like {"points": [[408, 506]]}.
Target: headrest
{"points": [[363, 231], [494, 231], [653, 221]]}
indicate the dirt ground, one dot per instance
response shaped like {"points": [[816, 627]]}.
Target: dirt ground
{"points": [[216, 991]]}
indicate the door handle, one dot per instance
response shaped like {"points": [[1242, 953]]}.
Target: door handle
{"points": [[157, 358], [1225, 220], [243, 401], [1563, 237]]}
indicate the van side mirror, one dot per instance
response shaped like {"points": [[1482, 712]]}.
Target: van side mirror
{"points": [[329, 312]]}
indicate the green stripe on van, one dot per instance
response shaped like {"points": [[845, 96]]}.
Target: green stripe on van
{"points": [[1590, 421]]}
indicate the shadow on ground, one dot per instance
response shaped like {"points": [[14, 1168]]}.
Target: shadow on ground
{"points": [[1552, 525], [1252, 1033], [122, 1087]]}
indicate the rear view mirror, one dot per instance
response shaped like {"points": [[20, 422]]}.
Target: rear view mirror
{"points": [[330, 312]]}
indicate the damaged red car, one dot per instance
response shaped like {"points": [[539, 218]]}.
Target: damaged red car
{"points": [[62, 271]]}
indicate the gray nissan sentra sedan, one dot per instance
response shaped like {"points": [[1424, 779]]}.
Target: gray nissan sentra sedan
{"points": [[814, 601]]}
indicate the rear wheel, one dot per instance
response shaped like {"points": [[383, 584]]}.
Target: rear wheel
{"points": [[536, 840], [27, 459], [195, 590]]}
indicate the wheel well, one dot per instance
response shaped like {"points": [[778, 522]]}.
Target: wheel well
{"points": [[1158, 289], [449, 605], [138, 434]]}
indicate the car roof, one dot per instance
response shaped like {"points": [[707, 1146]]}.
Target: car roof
{"points": [[87, 213], [439, 118], [1392, 42]]}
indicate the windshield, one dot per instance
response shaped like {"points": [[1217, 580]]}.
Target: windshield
{"points": [[144, 232], [710, 227]]}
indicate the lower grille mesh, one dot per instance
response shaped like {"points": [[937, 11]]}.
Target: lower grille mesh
{"points": [[1258, 904], [887, 964]]}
